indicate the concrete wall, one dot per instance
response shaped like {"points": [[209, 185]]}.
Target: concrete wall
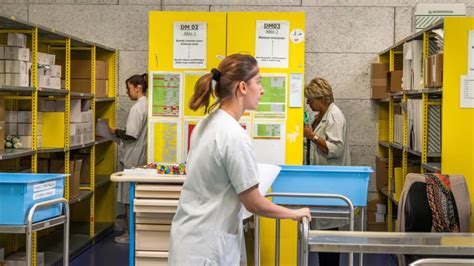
{"points": [[343, 38]]}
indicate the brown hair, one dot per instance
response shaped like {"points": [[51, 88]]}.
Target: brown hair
{"points": [[319, 88], [232, 70], [136, 80]]}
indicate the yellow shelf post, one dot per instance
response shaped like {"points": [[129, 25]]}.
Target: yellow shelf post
{"points": [[92, 159]]}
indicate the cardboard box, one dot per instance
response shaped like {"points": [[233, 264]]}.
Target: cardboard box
{"points": [[47, 105], [26, 142], [2, 78], [49, 82], [86, 116], [427, 81], [2, 135], [26, 129], [2, 66], [43, 166], [74, 181], [19, 259], [376, 227], [11, 116], [81, 69], [25, 117], [16, 53], [85, 168], [11, 129], [86, 105], [53, 71], [2, 109], [15, 66], [378, 80], [76, 116], [394, 80], [381, 166], [437, 70], [46, 59], [2, 52], [17, 40], [101, 88], [60, 106], [22, 80]]}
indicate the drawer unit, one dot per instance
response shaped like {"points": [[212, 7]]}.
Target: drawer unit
{"points": [[152, 237], [151, 258], [153, 218], [155, 205], [156, 191]]}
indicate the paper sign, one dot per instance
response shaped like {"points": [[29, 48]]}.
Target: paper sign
{"points": [[267, 175], [467, 92], [271, 44], [470, 52], [189, 44], [296, 87]]}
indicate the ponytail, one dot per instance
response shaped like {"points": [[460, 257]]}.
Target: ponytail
{"points": [[232, 70], [141, 80], [202, 94]]}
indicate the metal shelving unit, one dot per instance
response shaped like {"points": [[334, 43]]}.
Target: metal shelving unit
{"points": [[15, 153], [43, 39], [432, 167], [388, 148]]}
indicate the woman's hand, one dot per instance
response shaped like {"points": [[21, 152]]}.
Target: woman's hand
{"points": [[308, 132], [300, 213]]}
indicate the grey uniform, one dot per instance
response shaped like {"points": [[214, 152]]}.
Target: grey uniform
{"points": [[133, 153]]}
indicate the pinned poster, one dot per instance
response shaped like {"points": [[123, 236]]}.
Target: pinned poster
{"points": [[266, 130], [296, 90], [272, 44], [273, 102], [274, 140], [165, 93], [165, 141], [467, 92], [470, 52], [189, 126], [189, 45]]}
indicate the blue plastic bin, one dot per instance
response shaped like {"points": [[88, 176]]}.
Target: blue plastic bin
{"points": [[350, 181], [19, 192]]}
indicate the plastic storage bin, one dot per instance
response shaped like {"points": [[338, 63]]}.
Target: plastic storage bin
{"points": [[350, 181], [19, 192]]}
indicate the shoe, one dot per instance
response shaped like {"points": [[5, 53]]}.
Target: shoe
{"points": [[123, 239]]}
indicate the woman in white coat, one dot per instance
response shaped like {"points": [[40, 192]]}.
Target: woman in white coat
{"points": [[133, 140], [222, 170]]}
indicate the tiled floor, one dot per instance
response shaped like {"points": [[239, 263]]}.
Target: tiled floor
{"points": [[107, 252], [103, 253]]}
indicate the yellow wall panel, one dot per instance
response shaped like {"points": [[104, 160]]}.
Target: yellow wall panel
{"points": [[457, 155]]}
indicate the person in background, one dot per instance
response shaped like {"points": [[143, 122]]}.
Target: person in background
{"points": [[222, 172], [133, 140], [326, 143]]}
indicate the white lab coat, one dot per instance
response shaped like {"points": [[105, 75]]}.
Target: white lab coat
{"points": [[207, 227], [133, 153]]}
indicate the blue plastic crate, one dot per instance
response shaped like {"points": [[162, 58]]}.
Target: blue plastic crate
{"points": [[350, 181], [19, 192]]}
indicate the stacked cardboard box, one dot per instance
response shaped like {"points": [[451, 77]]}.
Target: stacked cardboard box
{"points": [[19, 123], [434, 71], [81, 130], [394, 80], [81, 77], [378, 81], [15, 61], [49, 74], [75, 167], [2, 124], [376, 211]]}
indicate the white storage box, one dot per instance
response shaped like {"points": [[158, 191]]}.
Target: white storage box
{"points": [[157, 191], [15, 66], [16, 53], [153, 218], [22, 80], [156, 206]]}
